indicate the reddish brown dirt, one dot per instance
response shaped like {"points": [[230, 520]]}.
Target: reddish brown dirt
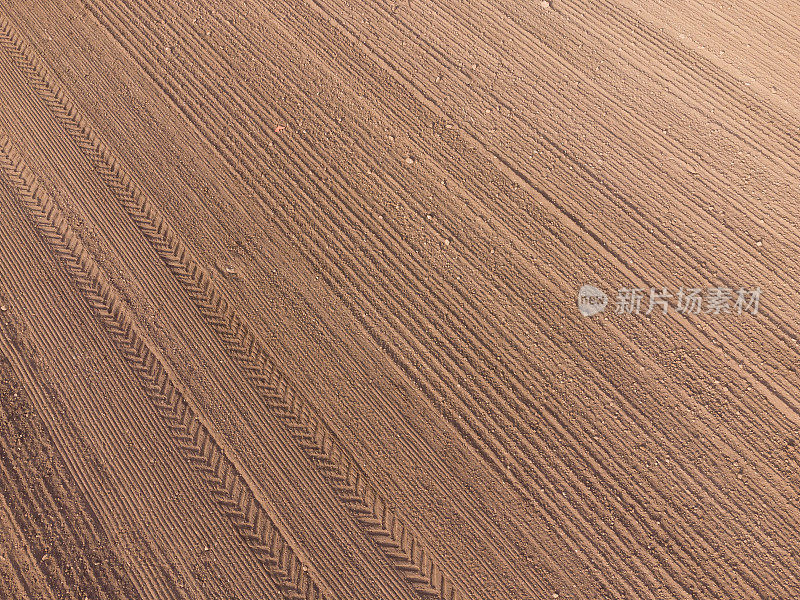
{"points": [[52, 544], [289, 299]]}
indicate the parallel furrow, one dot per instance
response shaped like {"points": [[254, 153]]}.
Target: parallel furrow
{"points": [[211, 318], [401, 545], [53, 517], [244, 510]]}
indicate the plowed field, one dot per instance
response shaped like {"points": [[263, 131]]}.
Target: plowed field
{"points": [[292, 300]]}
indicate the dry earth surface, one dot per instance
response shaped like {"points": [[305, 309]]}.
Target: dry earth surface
{"points": [[288, 299]]}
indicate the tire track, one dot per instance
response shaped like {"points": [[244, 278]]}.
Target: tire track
{"points": [[79, 460], [402, 546], [130, 239], [783, 332], [228, 485], [463, 416], [434, 224]]}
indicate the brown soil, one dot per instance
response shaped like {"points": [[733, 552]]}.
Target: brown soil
{"points": [[288, 294], [52, 544]]}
